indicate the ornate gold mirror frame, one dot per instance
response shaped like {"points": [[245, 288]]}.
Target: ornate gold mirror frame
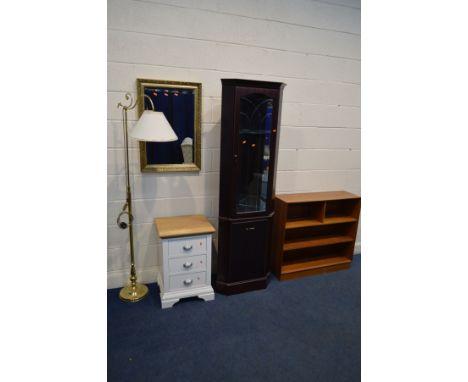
{"points": [[165, 88]]}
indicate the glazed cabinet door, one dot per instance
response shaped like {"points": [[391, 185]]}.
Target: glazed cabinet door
{"points": [[254, 148], [249, 246]]}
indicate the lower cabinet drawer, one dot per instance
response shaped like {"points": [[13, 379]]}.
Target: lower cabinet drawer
{"points": [[187, 281], [187, 264]]}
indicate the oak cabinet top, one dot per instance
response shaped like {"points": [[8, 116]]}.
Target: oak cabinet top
{"points": [[187, 225]]}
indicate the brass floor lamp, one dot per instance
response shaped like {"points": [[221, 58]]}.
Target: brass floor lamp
{"points": [[151, 127]]}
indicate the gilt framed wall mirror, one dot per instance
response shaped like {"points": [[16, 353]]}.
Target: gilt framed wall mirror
{"points": [[181, 104]]}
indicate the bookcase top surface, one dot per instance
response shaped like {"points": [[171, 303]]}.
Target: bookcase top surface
{"points": [[316, 196]]}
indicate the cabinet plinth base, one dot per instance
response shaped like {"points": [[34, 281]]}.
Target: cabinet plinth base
{"points": [[168, 299], [241, 286]]}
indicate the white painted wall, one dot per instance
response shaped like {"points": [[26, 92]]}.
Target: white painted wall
{"points": [[312, 46]]}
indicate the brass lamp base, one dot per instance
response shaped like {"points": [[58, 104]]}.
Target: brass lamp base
{"points": [[133, 293]]}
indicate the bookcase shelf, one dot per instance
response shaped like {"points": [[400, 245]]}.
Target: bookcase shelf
{"points": [[302, 268], [314, 233], [302, 223], [316, 242]]}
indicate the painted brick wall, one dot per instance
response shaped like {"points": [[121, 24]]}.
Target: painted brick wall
{"points": [[312, 46]]}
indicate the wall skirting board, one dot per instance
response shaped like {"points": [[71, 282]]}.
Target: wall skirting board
{"points": [[120, 278], [357, 248]]}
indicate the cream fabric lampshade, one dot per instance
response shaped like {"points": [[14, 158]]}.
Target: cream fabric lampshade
{"points": [[153, 127]]}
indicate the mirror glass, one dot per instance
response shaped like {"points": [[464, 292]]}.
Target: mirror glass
{"points": [[180, 103]]}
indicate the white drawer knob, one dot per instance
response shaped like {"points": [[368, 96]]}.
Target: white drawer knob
{"points": [[188, 264], [187, 247], [188, 281]]}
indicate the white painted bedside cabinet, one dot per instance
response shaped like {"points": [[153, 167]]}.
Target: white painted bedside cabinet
{"points": [[185, 258]]}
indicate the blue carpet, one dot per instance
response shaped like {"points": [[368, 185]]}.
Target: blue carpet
{"points": [[300, 330]]}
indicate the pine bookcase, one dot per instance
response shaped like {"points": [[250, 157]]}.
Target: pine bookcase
{"points": [[314, 232]]}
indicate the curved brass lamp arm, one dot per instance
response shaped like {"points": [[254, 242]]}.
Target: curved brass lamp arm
{"points": [[151, 101], [130, 106]]}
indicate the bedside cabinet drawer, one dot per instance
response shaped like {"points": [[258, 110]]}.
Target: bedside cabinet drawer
{"points": [[187, 246], [187, 264], [188, 281]]}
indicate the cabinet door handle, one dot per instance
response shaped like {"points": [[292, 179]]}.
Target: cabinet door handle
{"points": [[187, 247], [188, 264], [188, 281], [249, 228]]}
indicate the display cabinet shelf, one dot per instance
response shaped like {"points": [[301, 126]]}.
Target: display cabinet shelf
{"points": [[314, 233]]}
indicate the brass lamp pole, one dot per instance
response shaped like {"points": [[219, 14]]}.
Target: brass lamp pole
{"points": [[152, 127], [134, 291]]}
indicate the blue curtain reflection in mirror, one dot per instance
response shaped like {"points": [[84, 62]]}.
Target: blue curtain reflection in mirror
{"points": [[178, 105]]}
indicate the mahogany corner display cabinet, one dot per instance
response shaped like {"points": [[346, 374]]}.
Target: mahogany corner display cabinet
{"points": [[250, 116]]}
